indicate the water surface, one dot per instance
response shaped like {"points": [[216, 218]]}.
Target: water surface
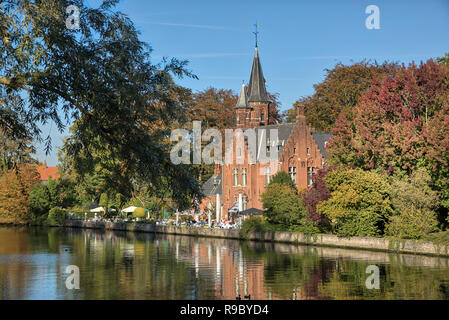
{"points": [[119, 265]]}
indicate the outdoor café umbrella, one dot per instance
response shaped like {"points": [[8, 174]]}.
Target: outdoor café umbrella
{"points": [[101, 209], [129, 209]]}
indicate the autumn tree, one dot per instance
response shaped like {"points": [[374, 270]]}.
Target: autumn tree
{"points": [[340, 92], [315, 194], [15, 188], [399, 126]]}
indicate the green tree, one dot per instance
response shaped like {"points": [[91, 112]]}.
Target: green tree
{"points": [[100, 74], [359, 204], [282, 205], [40, 200], [53, 191], [283, 178], [14, 152], [415, 203], [444, 60], [104, 200]]}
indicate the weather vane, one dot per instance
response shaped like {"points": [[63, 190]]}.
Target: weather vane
{"points": [[256, 32]]}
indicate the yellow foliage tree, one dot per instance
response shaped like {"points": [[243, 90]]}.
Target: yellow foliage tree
{"points": [[15, 187]]}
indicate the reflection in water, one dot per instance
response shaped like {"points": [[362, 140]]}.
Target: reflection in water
{"points": [[118, 265]]}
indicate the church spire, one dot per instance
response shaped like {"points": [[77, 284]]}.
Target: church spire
{"points": [[256, 87], [243, 99]]}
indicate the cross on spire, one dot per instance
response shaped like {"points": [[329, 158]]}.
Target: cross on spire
{"points": [[256, 33]]}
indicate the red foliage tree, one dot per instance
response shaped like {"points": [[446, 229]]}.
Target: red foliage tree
{"points": [[317, 193], [398, 125]]}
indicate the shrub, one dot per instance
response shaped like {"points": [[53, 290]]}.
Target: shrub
{"points": [[56, 216], [139, 212], [307, 226], [255, 224], [412, 224]]}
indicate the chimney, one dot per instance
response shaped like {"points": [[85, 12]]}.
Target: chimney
{"points": [[300, 111]]}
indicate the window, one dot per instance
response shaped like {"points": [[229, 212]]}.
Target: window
{"points": [[244, 177], [292, 173], [236, 176], [262, 116], [294, 150], [245, 202], [303, 164], [267, 175], [310, 173], [308, 150]]}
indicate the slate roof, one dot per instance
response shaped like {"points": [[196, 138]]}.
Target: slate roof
{"points": [[209, 189], [243, 99], [257, 91], [320, 139]]}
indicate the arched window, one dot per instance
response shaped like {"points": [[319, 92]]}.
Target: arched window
{"points": [[244, 177]]}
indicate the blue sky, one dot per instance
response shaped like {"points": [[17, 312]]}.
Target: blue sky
{"points": [[297, 39]]}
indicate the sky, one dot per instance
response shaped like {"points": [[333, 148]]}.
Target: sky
{"points": [[298, 40]]}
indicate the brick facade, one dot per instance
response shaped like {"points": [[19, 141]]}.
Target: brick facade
{"points": [[301, 151]]}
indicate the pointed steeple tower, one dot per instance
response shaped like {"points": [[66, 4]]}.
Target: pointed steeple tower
{"points": [[243, 99], [257, 91]]}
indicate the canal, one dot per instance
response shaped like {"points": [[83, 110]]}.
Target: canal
{"points": [[119, 265]]}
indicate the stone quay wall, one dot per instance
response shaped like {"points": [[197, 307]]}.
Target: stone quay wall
{"points": [[328, 240]]}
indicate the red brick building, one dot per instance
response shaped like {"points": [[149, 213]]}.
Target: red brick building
{"points": [[301, 151], [46, 173]]}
